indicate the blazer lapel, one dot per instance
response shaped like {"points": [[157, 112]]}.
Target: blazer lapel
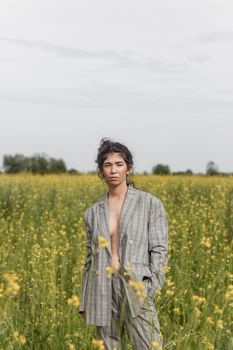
{"points": [[127, 210]]}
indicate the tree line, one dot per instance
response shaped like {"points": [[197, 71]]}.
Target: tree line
{"points": [[36, 164], [43, 164]]}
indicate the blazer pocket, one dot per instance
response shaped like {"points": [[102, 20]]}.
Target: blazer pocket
{"points": [[146, 271], [147, 278], [142, 273], [147, 283]]}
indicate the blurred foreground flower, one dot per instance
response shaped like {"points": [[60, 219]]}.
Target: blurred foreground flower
{"points": [[1, 290], [206, 242], [197, 312], [220, 324], [110, 271], [209, 320], [12, 286], [20, 338], [98, 344], [198, 300], [128, 271], [139, 289], [166, 269], [74, 301], [155, 345], [229, 293], [102, 242]]}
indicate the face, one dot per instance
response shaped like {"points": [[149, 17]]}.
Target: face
{"points": [[115, 169]]}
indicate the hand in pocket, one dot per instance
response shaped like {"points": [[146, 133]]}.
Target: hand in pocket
{"points": [[147, 283]]}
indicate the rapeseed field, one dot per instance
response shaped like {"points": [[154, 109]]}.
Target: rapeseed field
{"points": [[42, 255]]}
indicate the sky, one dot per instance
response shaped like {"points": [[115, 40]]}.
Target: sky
{"points": [[155, 75]]}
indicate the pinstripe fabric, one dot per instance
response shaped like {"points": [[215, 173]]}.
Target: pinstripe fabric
{"points": [[143, 247], [142, 330]]}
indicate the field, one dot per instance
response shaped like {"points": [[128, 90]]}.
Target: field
{"points": [[42, 253]]}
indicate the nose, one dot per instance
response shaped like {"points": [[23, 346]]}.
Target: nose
{"points": [[114, 169]]}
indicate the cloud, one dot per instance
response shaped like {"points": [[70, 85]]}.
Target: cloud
{"points": [[198, 58], [221, 36], [70, 52], [125, 58]]}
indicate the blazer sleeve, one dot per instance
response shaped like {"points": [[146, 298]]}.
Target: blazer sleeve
{"points": [[158, 244], [87, 264]]}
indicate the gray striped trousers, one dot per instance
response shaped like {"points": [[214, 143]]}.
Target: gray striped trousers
{"points": [[143, 331]]}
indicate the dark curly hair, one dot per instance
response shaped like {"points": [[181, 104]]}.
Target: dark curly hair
{"points": [[109, 146]]}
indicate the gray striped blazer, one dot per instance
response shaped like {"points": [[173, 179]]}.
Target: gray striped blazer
{"points": [[143, 247]]}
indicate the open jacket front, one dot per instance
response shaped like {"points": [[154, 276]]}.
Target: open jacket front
{"points": [[143, 246]]}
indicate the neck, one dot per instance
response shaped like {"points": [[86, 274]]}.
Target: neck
{"points": [[118, 191]]}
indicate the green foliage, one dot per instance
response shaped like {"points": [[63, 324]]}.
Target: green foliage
{"points": [[40, 164]]}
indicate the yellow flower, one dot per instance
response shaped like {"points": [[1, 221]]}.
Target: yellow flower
{"points": [[10, 277], [199, 300], [210, 346], [74, 301], [229, 293], [220, 324], [98, 344], [177, 311], [209, 320], [139, 289], [71, 346], [170, 292], [128, 271], [102, 242], [197, 312], [166, 269], [217, 310], [109, 271], [206, 242], [1, 290], [155, 345], [169, 282], [12, 287], [20, 338]]}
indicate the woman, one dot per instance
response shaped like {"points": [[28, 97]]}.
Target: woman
{"points": [[127, 246]]}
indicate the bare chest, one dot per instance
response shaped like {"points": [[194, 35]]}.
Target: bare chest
{"points": [[114, 225], [114, 217]]}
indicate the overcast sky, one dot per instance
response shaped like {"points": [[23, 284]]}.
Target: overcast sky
{"points": [[156, 75]]}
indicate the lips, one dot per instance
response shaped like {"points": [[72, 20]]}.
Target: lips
{"points": [[113, 178]]}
